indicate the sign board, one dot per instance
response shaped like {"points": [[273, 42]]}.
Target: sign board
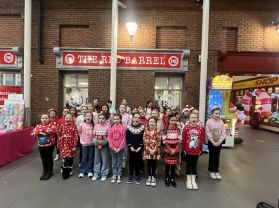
{"points": [[173, 60], [11, 58], [221, 82], [5, 91], [256, 83]]}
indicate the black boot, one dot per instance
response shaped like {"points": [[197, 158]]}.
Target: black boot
{"points": [[48, 175], [172, 182], [65, 173], [167, 181], [43, 175]]}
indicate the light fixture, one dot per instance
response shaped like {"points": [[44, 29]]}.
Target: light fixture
{"points": [[132, 29], [276, 24]]}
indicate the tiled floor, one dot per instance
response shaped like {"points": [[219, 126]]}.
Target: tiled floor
{"points": [[250, 174]]}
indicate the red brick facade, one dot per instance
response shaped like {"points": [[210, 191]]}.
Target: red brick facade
{"points": [[162, 24]]}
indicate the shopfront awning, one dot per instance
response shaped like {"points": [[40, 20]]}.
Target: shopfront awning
{"points": [[237, 63]]}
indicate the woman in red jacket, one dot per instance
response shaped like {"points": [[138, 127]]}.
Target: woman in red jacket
{"points": [[192, 142], [45, 133]]}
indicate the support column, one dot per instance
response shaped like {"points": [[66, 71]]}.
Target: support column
{"points": [[204, 58], [27, 58], [113, 52]]}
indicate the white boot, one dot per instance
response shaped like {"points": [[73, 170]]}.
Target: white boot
{"points": [[194, 184], [189, 182]]}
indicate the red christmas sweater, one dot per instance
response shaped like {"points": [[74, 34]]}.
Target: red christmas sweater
{"points": [[54, 121], [151, 140], [67, 139], [172, 140], [193, 139], [49, 130]]}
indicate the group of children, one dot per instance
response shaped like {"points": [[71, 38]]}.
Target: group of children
{"points": [[151, 134]]}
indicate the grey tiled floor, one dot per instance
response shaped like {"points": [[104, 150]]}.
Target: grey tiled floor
{"points": [[250, 174]]}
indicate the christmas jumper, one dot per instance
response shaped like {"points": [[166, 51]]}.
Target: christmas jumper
{"points": [[116, 137], [172, 140], [85, 132], [215, 130], [152, 142], [50, 131], [192, 139], [67, 139], [100, 134], [134, 136]]}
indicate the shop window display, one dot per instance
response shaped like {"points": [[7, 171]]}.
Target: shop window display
{"points": [[168, 91], [75, 90]]}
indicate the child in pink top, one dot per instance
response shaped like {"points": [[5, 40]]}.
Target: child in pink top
{"points": [[85, 131], [116, 139], [216, 134], [126, 121], [101, 160]]}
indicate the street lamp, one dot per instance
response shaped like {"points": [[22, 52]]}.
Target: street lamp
{"points": [[132, 29]]}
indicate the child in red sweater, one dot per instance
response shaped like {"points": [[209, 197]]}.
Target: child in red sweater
{"points": [[45, 133], [67, 143], [172, 140], [192, 142]]}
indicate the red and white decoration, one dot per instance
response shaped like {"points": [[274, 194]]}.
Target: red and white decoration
{"points": [[265, 102], [246, 104]]}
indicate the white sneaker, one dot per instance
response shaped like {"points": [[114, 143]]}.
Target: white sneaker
{"points": [[194, 184], [189, 182], [118, 179], [71, 173], [148, 181], [94, 178], [90, 175], [113, 179], [218, 176], [153, 181], [61, 170], [212, 176], [81, 175], [56, 157], [104, 178]]}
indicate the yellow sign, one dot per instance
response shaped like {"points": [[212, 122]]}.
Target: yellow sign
{"points": [[255, 83], [222, 82]]}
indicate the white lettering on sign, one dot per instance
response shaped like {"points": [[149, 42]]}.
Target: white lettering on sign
{"points": [[148, 60], [70, 58], [173, 61], [127, 60], [141, 60], [8, 58], [156, 60]]}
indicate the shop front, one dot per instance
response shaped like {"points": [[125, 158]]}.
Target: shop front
{"points": [[260, 100], [137, 70], [15, 141]]}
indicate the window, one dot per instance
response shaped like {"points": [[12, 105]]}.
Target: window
{"points": [[168, 91], [75, 90], [10, 79]]}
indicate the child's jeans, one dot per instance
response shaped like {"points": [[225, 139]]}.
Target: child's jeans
{"points": [[117, 160], [101, 163], [87, 159]]}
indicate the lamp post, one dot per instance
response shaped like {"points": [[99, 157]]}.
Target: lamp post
{"points": [[204, 57]]}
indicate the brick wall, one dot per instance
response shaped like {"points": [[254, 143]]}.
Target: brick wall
{"points": [[238, 25]]}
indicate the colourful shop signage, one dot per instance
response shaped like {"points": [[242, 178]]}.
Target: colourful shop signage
{"points": [[6, 90], [126, 59], [256, 83], [11, 58], [221, 82]]}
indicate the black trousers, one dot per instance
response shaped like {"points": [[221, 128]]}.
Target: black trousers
{"points": [[57, 150], [47, 161], [214, 157], [80, 149], [67, 167], [169, 171], [134, 162], [191, 164], [151, 167]]}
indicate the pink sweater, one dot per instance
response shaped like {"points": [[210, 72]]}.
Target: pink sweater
{"points": [[215, 130], [85, 132], [126, 120], [116, 137], [101, 132]]}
